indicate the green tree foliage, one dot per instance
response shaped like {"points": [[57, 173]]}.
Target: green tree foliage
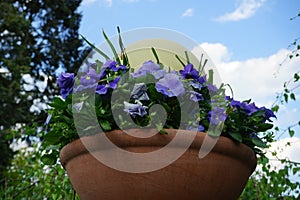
{"points": [[37, 38]]}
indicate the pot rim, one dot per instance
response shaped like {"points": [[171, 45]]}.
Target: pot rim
{"points": [[224, 145]]}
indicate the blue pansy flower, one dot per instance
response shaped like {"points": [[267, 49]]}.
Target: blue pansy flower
{"points": [[247, 108], [212, 89], [151, 68], [268, 114], [103, 88], [66, 82], [217, 115], [111, 65], [170, 85], [189, 72], [90, 77]]}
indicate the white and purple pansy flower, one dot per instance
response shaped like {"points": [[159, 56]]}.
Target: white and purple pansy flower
{"points": [[135, 109]]}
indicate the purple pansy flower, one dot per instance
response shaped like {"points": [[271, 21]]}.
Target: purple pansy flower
{"points": [[253, 135], [66, 82], [268, 114], [201, 79], [112, 65], [200, 128], [228, 98], [90, 77], [151, 68], [102, 89], [251, 108], [170, 85], [217, 115], [189, 72], [212, 89], [135, 109], [247, 108], [89, 81], [195, 96]]}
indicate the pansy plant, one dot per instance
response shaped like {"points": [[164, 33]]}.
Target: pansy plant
{"points": [[146, 86]]}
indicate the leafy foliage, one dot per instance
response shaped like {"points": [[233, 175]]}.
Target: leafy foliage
{"points": [[27, 178], [37, 38]]}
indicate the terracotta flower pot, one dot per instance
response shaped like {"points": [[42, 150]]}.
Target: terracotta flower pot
{"points": [[222, 174]]}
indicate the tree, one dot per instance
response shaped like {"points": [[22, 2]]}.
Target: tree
{"points": [[37, 38]]}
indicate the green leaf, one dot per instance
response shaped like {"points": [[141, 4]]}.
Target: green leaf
{"points": [[275, 108], [291, 132], [49, 159], [111, 47], [124, 56], [53, 137], [237, 136], [58, 103], [296, 76], [95, 48], [155, 55], [99, 66], [187, 57], [181, 62], [210, 79], [286, 97], [259, 113], [264, 127], [296, 170], [292, 96], [258, 142], [105, 125]]}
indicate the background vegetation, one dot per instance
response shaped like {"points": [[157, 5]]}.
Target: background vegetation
{"points": [[39, 38]]}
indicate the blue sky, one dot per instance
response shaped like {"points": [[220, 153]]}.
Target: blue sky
{"points": [[246, 39], [254, 28]]}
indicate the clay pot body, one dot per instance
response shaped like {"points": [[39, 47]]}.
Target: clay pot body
{"points": [[222, 174]]}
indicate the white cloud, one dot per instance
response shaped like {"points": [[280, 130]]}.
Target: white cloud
{"points": [[246, 9], [188, 12], [252, 78], [217, 52], [88, 2]]}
